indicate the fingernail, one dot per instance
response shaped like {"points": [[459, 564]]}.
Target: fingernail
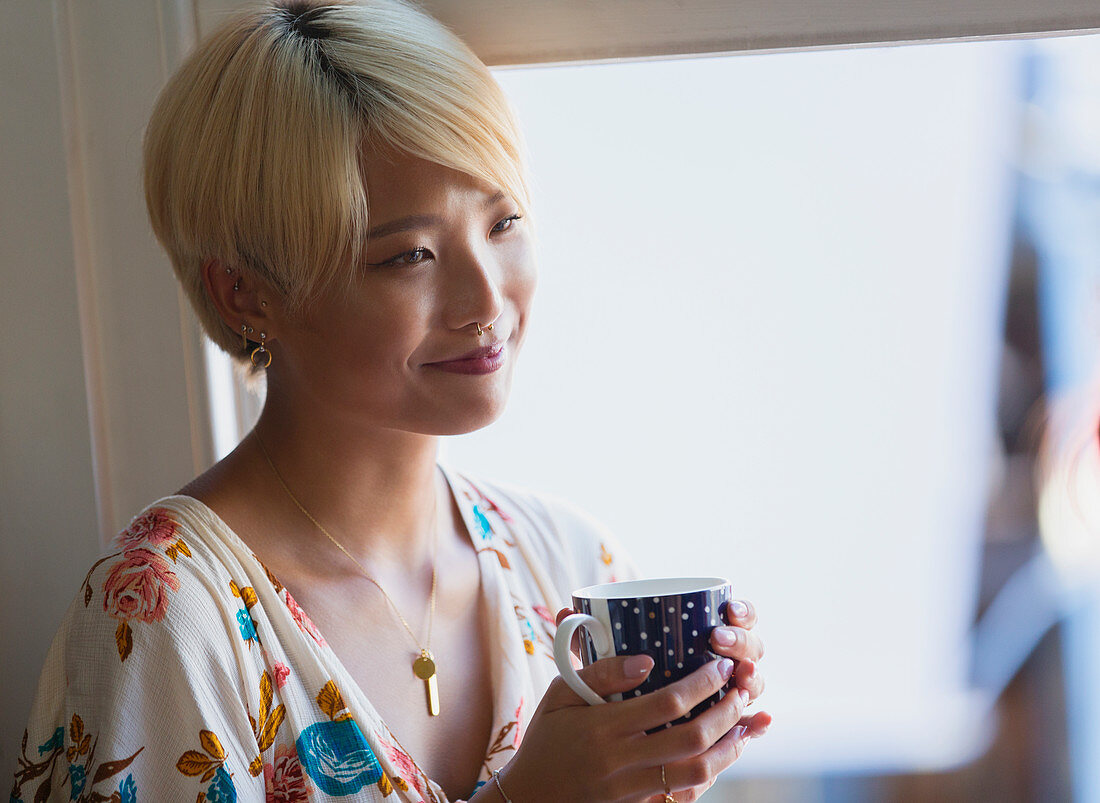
{"points": [[725, 637], [744, 695], [741, 733], [739, 609], [725, 668], [637, 666]]}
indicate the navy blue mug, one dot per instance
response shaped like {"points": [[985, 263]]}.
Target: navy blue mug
{"points": [[669, 619]]}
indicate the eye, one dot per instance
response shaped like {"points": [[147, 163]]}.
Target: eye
{"points": [[506, 224], [413, 257]]}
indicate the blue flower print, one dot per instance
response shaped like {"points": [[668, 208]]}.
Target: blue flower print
{"points": [[248, 627], [221, 789], [56, 741], [128, 790], [77, 776], [483, 524], [337, 757]]}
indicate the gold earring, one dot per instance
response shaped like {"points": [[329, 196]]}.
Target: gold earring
{"points": [[489, 327], [478, 325], [261, 350]]}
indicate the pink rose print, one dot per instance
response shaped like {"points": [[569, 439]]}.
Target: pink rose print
{"points": [[406, 767], [154, 527], [283, 778], [282, 672], [519, 724], [138, 586], [544, 614], [303, 621]]}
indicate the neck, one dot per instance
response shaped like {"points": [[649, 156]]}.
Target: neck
{"points": [[373, 489]]}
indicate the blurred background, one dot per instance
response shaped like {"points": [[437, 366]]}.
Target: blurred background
{"points": [[824, 322]]}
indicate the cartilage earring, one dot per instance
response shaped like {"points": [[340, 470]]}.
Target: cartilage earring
{"points": [[244, 335], [261, 357], [237, 284]]}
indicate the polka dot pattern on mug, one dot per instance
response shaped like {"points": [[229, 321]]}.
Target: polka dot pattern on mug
{"points": [[674, 630]]}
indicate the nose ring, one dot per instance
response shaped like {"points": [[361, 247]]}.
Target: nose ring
{"points": [[480, 330]]}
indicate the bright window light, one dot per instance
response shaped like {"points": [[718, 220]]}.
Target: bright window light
{"points": [[765, 345]]}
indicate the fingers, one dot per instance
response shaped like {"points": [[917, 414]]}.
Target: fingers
{"points": [[740, 613], [690, 777], [699, 772], [737, 643], [748, 677], [575, 642], [697, 735], [607, 676], [677, 699], [757, 723]]}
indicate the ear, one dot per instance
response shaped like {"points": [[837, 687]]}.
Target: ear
{"points": [[241, 299]]}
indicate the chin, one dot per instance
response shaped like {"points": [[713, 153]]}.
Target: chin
{"points": [[473, 421], [453, 414]]}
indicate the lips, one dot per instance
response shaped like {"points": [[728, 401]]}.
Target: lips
{"points": [[481, 353], [482, 360]]}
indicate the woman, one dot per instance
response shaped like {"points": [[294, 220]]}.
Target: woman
{"points": [[341, 191]]}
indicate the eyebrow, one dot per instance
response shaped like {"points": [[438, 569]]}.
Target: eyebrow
{"points": [[410, 222]]}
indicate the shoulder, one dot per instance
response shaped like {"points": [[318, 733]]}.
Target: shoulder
{"points": [[150, 655], [560, 532], [158, 591]]}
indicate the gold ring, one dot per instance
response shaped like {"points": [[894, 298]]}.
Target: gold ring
{"points": [[262, 351], [664, 782]]}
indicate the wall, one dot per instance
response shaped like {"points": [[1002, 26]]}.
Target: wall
{"points": [[101, 399]]}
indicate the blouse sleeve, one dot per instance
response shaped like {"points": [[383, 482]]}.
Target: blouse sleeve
{"points": [[143, 691]]}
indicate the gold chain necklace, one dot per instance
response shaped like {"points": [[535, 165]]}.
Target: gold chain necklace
{"points": [[424, 665]]}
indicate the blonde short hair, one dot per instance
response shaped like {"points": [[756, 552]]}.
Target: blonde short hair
{"points": [[252, 151]]}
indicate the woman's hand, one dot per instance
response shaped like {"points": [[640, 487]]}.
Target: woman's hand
{"points": [[598, 754], [738, 641]]}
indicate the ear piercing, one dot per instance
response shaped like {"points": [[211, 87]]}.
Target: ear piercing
{"points": [[260, 356]]}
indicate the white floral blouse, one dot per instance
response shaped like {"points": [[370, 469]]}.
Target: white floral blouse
{"points": [[184, 670]]}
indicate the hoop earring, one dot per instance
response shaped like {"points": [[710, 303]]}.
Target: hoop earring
{"points": [[261, 350]]}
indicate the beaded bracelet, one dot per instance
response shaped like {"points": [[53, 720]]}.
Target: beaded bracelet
{"points": [[496, 778]]}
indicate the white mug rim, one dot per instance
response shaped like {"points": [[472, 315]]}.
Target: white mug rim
{"points": [[650, 587]]}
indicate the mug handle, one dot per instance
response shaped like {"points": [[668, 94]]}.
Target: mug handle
{"points": [[562, 640]]}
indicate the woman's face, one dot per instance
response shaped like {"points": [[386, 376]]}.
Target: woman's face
{"points": [[446, 253]]}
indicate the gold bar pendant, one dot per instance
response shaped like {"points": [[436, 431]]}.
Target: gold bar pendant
{"points": [[424, 668], [433, 696]]}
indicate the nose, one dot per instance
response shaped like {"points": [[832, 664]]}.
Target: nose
{"points": [[476, 298]]}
